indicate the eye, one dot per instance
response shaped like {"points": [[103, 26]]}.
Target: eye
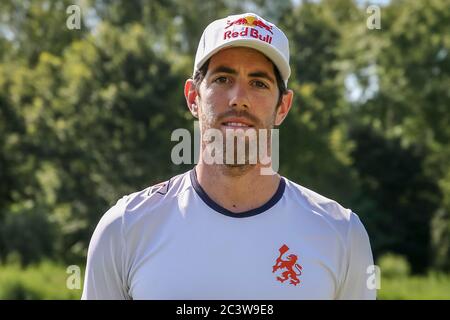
{"points": [[221, 80], [259, 84]]}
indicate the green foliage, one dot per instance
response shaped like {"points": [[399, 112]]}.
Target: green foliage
{"points": [[412, 68], [44, 281], [37, 26], [315, 128], [119, 91], [26, 229], [393, 187], [393, 266]]}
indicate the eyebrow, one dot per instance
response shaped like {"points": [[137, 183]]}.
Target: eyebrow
{"points": [[256, 74], [262, 74]]}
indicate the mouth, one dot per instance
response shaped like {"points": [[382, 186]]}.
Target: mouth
{"points": [[236, 124]]}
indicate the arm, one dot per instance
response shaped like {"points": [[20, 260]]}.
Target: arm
{"points": [[104, 278], [359, 257]]}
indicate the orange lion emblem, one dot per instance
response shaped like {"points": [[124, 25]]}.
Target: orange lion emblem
{"points": [[289, 265]]}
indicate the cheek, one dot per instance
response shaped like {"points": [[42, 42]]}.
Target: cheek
{"points": [[267, 111], [208, 113], [265, 99], [212, 105]]}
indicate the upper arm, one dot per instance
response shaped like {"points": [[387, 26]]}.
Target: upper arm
{"points": [[104, 278], [359, 257]]}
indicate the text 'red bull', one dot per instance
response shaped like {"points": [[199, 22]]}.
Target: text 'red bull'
{"points": [[244, 33]]}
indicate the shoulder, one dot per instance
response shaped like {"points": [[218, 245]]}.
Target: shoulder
{"points": [[144, 202], [157, 195], [341, 219]]}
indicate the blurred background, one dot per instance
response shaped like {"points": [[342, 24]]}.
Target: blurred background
{"points": [[86, 116]]}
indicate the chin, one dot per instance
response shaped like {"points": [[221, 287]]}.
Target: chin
{"points": [[236, 169]]}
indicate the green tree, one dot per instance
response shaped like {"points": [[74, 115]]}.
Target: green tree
{"points": [[405, 121], [37, 26]]}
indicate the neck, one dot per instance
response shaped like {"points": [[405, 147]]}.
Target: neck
{"points": [[237, 189]]}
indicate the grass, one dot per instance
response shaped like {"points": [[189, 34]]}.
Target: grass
{"points": [[44, 281], [432, 286]]}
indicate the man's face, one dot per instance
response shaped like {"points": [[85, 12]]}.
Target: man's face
{"points": [[239, 91], [240, 85]]}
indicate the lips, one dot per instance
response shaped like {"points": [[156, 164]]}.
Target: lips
{"points": [[237, 123]]}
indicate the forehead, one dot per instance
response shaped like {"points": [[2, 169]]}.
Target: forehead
{"points": [[241, 58]]}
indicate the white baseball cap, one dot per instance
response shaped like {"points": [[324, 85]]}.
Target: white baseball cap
{"points": [[245, 30]]}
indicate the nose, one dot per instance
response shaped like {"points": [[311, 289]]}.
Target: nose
{"points": [[238, 96]]}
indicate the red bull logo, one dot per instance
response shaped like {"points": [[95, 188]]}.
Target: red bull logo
{"points": [[251, 24], [289, 264]]}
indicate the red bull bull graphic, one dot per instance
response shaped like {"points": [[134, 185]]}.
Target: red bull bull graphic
{"points": [[289, 264], [251, 24], [240, 21]]}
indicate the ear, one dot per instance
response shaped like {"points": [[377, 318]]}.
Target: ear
{"points": [[191, 93], [285, 106]]}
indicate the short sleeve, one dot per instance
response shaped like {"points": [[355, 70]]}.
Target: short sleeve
{"points": [[359, 259], [104, 276]]}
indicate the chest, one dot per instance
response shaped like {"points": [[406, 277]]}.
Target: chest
{"points": [[237, 261]]}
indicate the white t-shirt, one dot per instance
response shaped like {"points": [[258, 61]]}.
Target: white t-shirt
{"points": [[171, 241]]}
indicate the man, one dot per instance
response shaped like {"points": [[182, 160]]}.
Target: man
{"points": [[225, 229]]}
